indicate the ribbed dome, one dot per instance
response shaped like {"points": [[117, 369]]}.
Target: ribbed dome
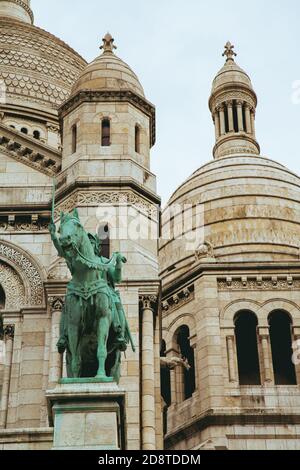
{"points": [[231, 73], [108, 72], [251, 213], [37, 68]]}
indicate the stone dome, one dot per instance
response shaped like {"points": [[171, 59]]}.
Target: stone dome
{"points": [[37, 68], [231, 74], [108, 72], [251, 208]]}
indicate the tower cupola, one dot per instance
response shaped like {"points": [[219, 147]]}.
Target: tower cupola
{"points": [[17, 9], [233, 105]]}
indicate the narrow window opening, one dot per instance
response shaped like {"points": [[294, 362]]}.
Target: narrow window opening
{"points": [[74, 138], [36, 135], [244, 119], [247, 349], [235, 117], [105, 139], [24, 130], [226, 118], [281, 345], [104, 235], [187, 352], [137, 139]]}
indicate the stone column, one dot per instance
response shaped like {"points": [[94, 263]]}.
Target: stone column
{"points": [[264, 337], [248, 119], [217, 124], [222, 120], [230, 116], [253, 122], [231, 357], [55, 359], [240, 116], [9, 332], [148, 374]]}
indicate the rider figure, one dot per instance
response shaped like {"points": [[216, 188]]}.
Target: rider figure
{"points": [[113, 276]]}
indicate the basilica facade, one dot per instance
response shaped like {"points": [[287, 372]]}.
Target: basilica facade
{"points": [[213, 308]]}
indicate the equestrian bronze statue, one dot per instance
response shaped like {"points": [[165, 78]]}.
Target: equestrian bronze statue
{"points": [[94, 330]]}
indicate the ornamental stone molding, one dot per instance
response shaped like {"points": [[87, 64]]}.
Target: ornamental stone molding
{"points": [[9, 331], [148, 301], [56, 303], [29, 151], [178, 300], [95, 198], [259, 283], [27, 269], [25, 6], [13, 287]]}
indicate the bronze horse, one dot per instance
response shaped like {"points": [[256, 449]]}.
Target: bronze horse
{"points": [[89, 309]]}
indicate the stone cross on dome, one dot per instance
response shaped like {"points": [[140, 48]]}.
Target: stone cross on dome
{"points": [[108, 44], [229, 52]]}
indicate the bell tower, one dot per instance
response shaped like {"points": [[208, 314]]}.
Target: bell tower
{"points": [[233, 104], [108, 129], [17, 9]]}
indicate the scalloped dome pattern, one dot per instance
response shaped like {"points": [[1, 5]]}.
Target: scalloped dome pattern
{"points": [[36, 66]]}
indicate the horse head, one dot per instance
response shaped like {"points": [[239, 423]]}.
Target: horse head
{"points": [[71, 230]]}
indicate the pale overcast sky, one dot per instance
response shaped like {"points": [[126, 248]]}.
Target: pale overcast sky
{"points": [[175, 47]]}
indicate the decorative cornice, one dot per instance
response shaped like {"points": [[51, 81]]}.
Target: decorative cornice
{"points": [[178, 300], [92, 198], [258, 283], [108, 96], [26, 7], [29, 151]]}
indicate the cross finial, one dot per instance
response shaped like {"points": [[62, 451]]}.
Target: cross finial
{"points": [[229, 52], [108, 43]]}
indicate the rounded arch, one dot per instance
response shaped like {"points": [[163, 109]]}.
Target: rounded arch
{"points": [[13, 288], [236, 306], [28, 269], [185, 319], [262, 310], [281, 304]]}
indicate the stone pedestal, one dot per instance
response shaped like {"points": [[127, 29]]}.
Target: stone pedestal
{"points": [[87, 415]]}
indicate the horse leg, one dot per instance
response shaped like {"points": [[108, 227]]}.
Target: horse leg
{"points": [[74, 337], [103, 332]]}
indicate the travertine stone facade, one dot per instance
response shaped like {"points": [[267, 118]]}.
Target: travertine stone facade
{"points": [[92, 128], [92, 177], [247, 260]]}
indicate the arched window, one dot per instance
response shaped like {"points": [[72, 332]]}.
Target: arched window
{"points": [[36, 135], [105, 133], [137, 139], [24, 130], [12, 126], [165, 378], [247, 349], [103, 234], [187, 352], [74, 138], [281, 344]]}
